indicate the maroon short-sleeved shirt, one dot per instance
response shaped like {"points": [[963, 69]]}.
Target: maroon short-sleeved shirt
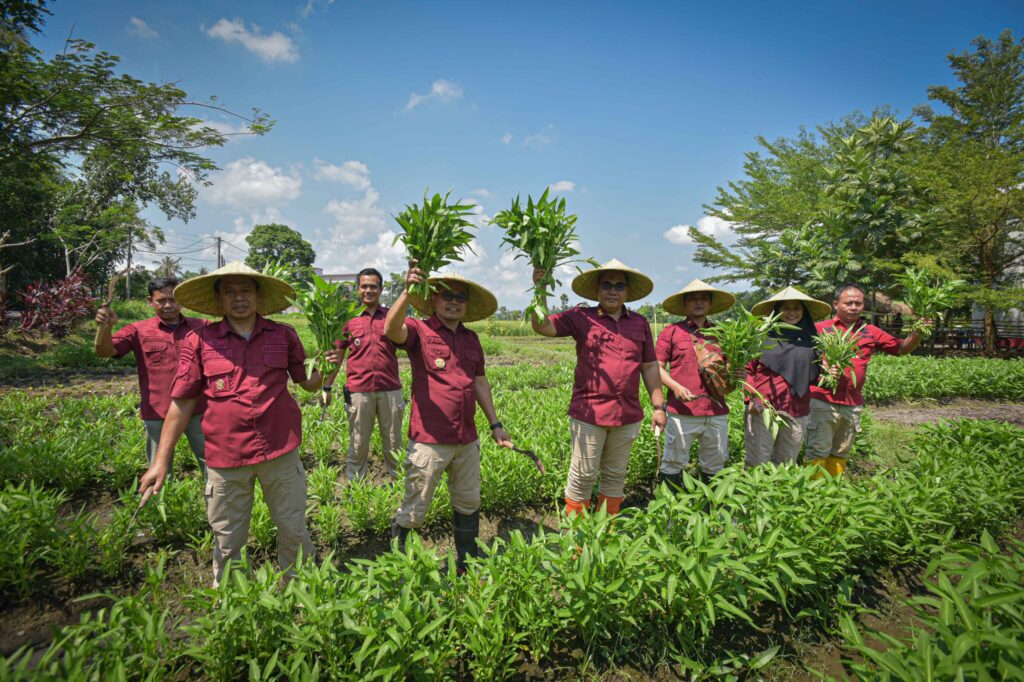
{"points": [[156, 346], [869, 338], [250, 415], [445, 365], [372, 361], [675, 346], [776, 391], [609, 356]]}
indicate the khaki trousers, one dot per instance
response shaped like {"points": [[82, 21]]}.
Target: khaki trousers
{"points": [[193, 432], [424, 466], [229, 499], [599, 449], [384, 407], [763, 448], [831, 429], [712, 433]]}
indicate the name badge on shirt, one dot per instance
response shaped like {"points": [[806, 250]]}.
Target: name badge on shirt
{"points": [[439, 363], [220, 384], [358, 342]]}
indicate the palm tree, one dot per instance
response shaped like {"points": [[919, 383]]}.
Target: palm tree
{"points": [[169, 267]]}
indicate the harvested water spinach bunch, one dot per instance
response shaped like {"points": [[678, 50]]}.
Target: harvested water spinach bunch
{"points": [[434, 235], [928, 298], [838, 348], [544, 234]]}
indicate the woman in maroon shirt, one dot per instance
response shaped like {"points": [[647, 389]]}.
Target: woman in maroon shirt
{"points": [[783, 376]]}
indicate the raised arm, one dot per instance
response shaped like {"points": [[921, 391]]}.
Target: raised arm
{"points": [[105, 320], [394, 323], [547, 327]]}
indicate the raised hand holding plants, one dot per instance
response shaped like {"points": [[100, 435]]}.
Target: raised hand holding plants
{"points": [[434, 235], [543, 233], [928, 298]]}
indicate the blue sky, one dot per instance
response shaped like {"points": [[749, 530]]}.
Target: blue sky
{"points": [[636, 112]]}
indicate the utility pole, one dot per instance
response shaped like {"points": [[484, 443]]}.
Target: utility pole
{"points": [[220, 260], [128, 277]]}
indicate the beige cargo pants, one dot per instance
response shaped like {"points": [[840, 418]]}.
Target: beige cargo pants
{"points": [[385, 408], [425, 465], [762, 448], [831, 429], [599, 450]]}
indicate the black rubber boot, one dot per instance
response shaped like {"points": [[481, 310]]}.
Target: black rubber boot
{"points": [[674, 481], [400, 533], [467, 528]]}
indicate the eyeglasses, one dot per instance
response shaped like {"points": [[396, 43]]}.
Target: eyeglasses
{"points": [[618, 286], [450, 296]]}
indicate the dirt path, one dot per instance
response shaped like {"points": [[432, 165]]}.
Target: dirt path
{"points": [[956, 408]]}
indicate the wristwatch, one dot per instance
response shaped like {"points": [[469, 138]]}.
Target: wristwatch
{"points": [[327, 389], [497, 425], [661, 407]]}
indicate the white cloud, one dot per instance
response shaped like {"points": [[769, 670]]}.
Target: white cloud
{"points": [[311, 6], [563, 186], [482, 193], [541, 139], [139, 28], [355, 219], [275, 47], [355, 174], [441, 90], [230, 130], [709, 225], [506, 139], [247, 183]]}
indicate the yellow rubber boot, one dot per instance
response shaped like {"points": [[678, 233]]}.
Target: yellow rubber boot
{"points": [[821, 463], [835, 465]]}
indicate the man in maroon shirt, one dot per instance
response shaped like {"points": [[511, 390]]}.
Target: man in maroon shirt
{"points": [[155, 343], [834, 420], [372, 388], [448, 381], [692, 412], [253, 425], [614, 350]]}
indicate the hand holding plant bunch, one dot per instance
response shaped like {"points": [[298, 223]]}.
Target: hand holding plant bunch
{"points": [[928, 298], [328, 309], [434, 235], [838, 348], [745, 338], [544, 234]]}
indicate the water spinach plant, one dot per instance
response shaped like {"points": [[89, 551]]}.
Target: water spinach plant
{"points": [[838, 348], [435, 235], [929, 298], [543, 233], [328, 307]]}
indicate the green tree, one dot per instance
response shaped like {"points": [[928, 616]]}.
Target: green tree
{"points": [[280, 244], [169, 267], [972, 162], [85, 146]]}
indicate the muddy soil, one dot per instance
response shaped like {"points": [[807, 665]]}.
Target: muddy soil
{"points": [[912, 414]]}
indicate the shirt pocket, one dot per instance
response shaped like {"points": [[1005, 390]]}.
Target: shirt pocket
{"points": [[632, 341], [438, 358], [219, 372], [157, 355], [275, 356]]}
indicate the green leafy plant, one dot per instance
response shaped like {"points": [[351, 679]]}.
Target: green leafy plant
{"points": [[545, 235], [838, 348], [929, 298], [328, 309], [434, 235], [742, 339]]}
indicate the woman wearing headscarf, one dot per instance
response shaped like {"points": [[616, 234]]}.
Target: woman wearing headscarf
{"points": [[783, 376]]}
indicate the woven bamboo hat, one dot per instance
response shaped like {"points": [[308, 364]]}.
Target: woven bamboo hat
{"points": [[819, 309], [480, 306], [197, 293], [720, 300], [639, 284]]}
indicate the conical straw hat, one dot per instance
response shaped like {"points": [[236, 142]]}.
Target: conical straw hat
{"points": [[480, 306], [197, 293], [819, 309], [720, 300], [639, 284]]}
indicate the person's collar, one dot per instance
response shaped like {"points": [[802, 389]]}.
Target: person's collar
{"points": [[222, 328], [601, 313], [435, 323], [838, 322], [689, 322], [160, 320], [379, 312]]}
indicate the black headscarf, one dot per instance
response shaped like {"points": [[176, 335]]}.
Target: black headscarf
{"points": [[792, 355]]}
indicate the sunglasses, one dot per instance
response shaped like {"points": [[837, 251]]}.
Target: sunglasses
{"points": [[450, 296], [618, 286]]}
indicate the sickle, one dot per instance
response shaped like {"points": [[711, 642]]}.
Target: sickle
{"points": [[532, 455]]}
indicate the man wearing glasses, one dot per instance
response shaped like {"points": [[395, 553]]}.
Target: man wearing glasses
{"points": [[448, 382], [373, 391], [614, 349]]}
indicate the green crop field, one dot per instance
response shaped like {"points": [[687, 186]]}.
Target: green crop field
{"points": [[704, 584]]}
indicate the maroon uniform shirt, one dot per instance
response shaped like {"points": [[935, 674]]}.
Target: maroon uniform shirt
{"points": [[372, 361], [156, 346], [776, 391], [609, 355], [250, 415], [675, 346], [869, 338], [445, 365]]}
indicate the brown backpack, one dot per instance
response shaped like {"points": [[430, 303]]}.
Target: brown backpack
{"points": [[713, 369]]}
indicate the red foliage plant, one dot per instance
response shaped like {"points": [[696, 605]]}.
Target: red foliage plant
{"points": [[56, 307]]}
